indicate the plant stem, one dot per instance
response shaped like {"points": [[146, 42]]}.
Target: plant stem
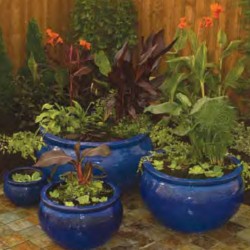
{"points": [[202, 88]]}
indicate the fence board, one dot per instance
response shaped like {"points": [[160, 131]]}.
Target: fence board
{"points": [[152, 14]]}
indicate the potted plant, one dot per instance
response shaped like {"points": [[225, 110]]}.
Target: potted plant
{"points": [[131, 87], [194, 186], [81, 212], [22, 185]]}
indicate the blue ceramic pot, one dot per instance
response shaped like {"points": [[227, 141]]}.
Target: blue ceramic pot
{"points": [[190, 205], [23, 193], [79, 228], [121, 166]]}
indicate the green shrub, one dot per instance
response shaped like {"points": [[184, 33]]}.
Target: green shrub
{"points": [[6, 77], [107, 24]]}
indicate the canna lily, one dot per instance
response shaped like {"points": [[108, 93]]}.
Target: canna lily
{"points": [[206, 22], [53, 38], [183, 23], [85, 44], [216, 9]]}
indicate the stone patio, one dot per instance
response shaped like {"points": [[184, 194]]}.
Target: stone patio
{"points": [[20, 230]]}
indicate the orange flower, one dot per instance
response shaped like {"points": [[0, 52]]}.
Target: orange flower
{"points": [[59, 40], [85, 44], [216, 9], [206, 22], [53, 37], [183, 23]]}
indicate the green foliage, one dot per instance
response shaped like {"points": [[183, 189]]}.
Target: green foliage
{"points": [[26, 143], [114, 24], [36, 176], [211, 135], [6, 77], [207, 169], [60, 120], [241, 140], [197, 72], [127, 127], [36, 82], [72, 194], [34, 43], [201, 133], [163, 137]]}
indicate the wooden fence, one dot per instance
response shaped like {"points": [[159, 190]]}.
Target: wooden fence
{"points": [[14, 17], [152, 15]]}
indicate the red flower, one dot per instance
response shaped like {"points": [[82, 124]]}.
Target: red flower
{"points": [[216, 9], [183, 23]]}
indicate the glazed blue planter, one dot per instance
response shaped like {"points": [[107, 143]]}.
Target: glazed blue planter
{"points": [[23, 193], [121, 166], [80, 228], [190, 205]]}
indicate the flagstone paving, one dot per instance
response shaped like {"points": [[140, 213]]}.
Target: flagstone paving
{"points": [[20, 230]]}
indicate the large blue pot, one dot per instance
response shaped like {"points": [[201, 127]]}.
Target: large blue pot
{"points": [[79, 228], [121, 166], [190, 205], [23, 193]]}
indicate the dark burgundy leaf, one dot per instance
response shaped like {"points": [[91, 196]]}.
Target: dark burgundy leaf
{"points": [[147, 87], [102, 150], [53, 157], [84, 70]]}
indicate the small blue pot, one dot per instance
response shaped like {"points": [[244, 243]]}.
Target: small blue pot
{"points": [[190, 205], [79, 228], [121, 166], [23, 193]]}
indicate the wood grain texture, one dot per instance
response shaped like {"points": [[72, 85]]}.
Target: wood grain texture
{"points": [[15, 15], [153, 15]]}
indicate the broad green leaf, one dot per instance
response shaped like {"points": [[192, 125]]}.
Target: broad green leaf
{"points": [[222, 38], [196, 170], [233, 45], [47, 106], [200, 61], [171, 84], [102, 199], [83, 200], [69, 204], [198, 105], [36, 176], [171, 108], [182, 40], [234, 74], [182, 130], [102, 61], [192, 36], [179, 59], [54, 194], [184, 100]]}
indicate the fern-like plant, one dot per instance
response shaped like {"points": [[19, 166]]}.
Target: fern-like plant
{"points": [[212, 129]]}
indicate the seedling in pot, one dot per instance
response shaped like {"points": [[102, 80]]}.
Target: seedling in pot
{"points": [[81, 187]]}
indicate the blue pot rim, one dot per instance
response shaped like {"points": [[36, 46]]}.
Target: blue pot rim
{"points": [[79, 209], [8, 178], [147, 166], [58, 141]]}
